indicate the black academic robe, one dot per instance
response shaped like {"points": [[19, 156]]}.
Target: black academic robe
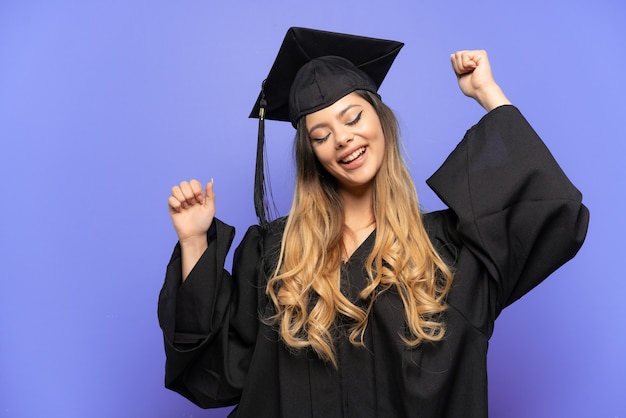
{"points": [[513, 219]]}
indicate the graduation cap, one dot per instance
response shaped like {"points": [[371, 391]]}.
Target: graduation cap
{"points": [[314, 69]]}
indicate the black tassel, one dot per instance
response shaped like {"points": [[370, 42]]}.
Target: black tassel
{"points": [[260, 198]]}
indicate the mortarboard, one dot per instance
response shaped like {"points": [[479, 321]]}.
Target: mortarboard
{"points": [[314, 69]]}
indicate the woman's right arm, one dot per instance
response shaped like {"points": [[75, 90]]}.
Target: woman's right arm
{"points": [[208, 317], [195, 298]]}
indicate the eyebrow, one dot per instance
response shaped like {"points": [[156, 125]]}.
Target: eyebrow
{"points": [[339, 115]]}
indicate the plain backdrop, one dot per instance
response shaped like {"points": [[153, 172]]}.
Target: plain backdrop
{"points": [[104, 105]]}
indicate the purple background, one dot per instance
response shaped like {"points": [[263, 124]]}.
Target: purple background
{"points": [[104, 105]]}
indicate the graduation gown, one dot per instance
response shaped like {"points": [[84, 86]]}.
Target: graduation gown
{"points": [[513, 218]]}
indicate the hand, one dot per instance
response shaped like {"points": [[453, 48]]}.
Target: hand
{"points": [[192, 210], [473, 73]]}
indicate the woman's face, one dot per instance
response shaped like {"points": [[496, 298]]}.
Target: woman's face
{"points": [[348, 140]]}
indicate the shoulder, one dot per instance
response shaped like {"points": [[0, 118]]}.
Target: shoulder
{"points": [[439, 222], [269, 236], [276, 227], [262, 243], [441, 227]]}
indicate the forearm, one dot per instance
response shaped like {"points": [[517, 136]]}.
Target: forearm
{"points": [[191, 251], [491, 96]]}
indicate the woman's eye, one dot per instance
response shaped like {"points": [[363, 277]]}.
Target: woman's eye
{"points": [[320, 140], [355, 120]]}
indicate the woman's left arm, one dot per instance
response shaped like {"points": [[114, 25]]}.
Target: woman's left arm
{"points": [[517, 211]]}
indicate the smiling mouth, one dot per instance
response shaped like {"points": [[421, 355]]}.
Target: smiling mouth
{"points": [[356, 154]]}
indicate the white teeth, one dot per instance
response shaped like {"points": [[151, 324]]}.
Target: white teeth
{"points": [[353, 156]]}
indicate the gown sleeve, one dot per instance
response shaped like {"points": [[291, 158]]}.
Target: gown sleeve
{"points": [[210, 321], [517, 211]]}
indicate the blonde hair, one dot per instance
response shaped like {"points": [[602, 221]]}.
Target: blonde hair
{"points": [[305, 288]]}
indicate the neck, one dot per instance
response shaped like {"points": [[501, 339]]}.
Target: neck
{"points": [[359, 219], [358, 208]]}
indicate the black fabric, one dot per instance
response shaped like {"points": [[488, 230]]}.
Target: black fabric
{"points": [[323, 81], [365, 63], [514, 218]]}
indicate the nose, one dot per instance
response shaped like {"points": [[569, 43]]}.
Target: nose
{"points": [[343, 138]]}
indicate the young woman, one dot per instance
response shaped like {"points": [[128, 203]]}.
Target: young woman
{"points": [[357, 304]]}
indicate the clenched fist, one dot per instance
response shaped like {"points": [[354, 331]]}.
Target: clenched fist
{"points": [[475, 78], [192, 209]]}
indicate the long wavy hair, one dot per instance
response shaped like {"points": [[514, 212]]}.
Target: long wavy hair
{"points": [[305, 287]]}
